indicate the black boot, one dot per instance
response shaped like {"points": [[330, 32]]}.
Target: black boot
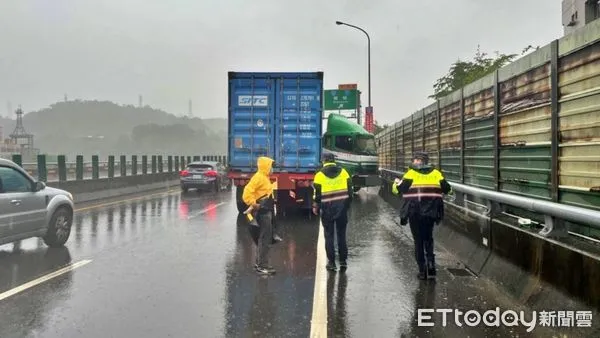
{"points": [[431, 272], [422, 275]]}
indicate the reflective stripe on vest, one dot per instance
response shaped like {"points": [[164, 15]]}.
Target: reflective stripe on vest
{"points": [[334, 195], [424, 186], [332, 189]]}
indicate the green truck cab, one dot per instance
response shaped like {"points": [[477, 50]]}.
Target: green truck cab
{"points": [[354, 149]]}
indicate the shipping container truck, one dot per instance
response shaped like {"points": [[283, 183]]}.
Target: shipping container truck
{"points": [[278, 115]]}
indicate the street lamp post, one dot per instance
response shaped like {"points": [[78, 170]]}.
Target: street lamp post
{"points": [[368, 55]]}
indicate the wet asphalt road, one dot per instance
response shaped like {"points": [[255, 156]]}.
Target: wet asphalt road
{"points": [[173, 265]]}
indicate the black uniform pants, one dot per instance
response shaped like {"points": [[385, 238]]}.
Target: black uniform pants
{"points": [[265, 237], [337, 227], [422, 232]]}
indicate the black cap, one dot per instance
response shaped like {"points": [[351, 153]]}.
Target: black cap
{"points": [[328, 157], [423, 156]]}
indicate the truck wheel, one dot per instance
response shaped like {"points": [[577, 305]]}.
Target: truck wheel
{"points": [[241, 206], [59, 228]]}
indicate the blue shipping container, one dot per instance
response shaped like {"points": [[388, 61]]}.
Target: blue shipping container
{"points": [[278, 115]]}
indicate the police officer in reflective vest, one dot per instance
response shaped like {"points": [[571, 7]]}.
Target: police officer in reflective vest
{"points": [[332, 196], [422, 187]]}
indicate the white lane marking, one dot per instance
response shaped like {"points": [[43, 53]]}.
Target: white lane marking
{"points": [[43, 279], [203, 211], [318, 322]]}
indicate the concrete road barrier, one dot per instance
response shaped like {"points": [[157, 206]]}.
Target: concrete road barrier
{"points": [[91, 190]]}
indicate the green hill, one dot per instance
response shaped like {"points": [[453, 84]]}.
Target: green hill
{"points": [[102, 127]]}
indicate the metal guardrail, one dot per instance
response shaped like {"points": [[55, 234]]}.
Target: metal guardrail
{"points": [[148, 164], [73, 165], [553, 212]]}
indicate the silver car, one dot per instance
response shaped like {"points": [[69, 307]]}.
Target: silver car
{"points": [[28, 208]]}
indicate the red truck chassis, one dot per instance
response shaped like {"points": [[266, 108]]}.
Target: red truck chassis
{"points": [[293, 190]]}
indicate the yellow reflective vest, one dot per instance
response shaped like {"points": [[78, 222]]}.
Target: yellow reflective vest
{"points": [[332, 190]]}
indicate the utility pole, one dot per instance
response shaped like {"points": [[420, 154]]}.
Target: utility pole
{"points": [[369, 109]]}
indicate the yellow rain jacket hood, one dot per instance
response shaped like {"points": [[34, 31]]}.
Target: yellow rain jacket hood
{"points": [[260, 184]]}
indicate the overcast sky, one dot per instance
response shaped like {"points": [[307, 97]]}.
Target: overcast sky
{"points": [[171, 51]]}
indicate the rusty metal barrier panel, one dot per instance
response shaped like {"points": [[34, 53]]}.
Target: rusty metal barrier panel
{"points": [[450, 136]]}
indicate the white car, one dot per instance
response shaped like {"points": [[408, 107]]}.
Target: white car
{"points": [[28, 208]]}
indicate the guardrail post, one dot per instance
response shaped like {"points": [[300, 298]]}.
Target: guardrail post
{"points": [[462, 135], [177, 163], [170, 163], [95, 167], [554, 227], [412, 135], [18, 159], [439, 133], [79, 167], [111, 166], [133, 165], [144, 164], [401, 167], [423, 131], [160, 163], [42, 168], [554, 120], [154, 164], [62, 168], [123, 165], [496, 131]]}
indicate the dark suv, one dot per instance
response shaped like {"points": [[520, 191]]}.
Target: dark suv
{"points": [[205, 175]]}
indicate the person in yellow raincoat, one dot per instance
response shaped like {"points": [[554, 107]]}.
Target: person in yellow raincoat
{"points": [[258, 194]]}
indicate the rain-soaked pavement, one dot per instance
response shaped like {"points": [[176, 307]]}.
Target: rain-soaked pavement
{"points": [[172, 265]]}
